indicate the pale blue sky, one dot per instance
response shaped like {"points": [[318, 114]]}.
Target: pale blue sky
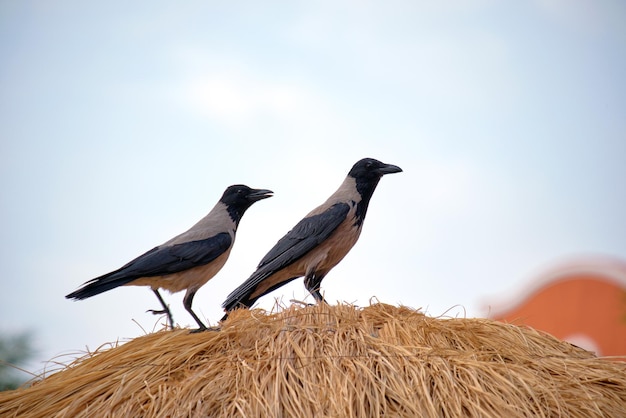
{"points": [[122, 123]]}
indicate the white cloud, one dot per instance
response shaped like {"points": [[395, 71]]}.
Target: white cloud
{"points": [[228, 91], [233, 98]]}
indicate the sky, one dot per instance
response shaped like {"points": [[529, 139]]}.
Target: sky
{"points": [[121, 124]]}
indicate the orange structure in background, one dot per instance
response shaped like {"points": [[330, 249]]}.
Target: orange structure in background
{"points": [[583, 302]]}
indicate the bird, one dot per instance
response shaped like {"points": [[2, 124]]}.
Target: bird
{"points": [[318, 242], [188, 260]]}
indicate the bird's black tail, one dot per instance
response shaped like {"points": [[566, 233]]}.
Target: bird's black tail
{"points": [[99, 285], [241, 297]]}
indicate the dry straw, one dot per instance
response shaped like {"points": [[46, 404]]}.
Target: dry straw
{"points": [[334, 361]]}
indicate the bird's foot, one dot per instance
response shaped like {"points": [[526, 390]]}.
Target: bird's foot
{"points": [[300, 302], [203, 329], [158, 312], [170, 319]]}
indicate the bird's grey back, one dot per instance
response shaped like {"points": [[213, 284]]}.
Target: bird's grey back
{"points": [[216, 221]]}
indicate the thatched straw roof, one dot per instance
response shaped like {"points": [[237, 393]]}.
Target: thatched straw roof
{"points": [[333, 361]]}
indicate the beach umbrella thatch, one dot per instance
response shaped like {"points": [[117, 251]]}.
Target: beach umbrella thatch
{"points": [[315, 361]]}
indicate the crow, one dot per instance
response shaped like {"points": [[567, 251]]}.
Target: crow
{"points": [[188, 260], [318, 242]]}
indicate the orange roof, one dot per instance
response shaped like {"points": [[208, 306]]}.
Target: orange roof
{"points": [[583, 302]]}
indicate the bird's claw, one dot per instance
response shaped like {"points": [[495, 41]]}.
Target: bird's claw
{"points": [[158, 312], [199, 330], [170, 319]]}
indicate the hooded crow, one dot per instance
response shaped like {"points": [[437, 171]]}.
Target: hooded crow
{"points": [[318, 242], [186, 261]]}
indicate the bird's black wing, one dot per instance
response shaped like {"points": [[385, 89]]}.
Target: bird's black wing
{"points": [[159, 261], [179, 257], [306, 235]]}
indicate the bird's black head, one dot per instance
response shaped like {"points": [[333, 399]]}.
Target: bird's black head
{"points": [[369, 170], [238, 198], [367, 173]]}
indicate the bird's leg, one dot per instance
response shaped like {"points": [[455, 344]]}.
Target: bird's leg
{"points": [[312, 282], [188, 299], [165, 310]]}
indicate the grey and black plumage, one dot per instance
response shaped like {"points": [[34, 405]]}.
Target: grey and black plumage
{"points": [[186, 261], [318, 242]]}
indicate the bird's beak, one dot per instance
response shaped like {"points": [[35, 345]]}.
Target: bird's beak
{"points": [[258, 194], [389, 169]]}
